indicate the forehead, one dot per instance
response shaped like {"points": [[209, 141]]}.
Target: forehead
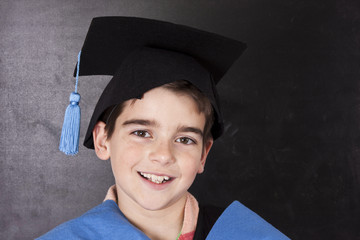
{"points": [[165, 107]]}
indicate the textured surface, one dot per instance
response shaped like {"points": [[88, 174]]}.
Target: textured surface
{"points": [[291, 105]]}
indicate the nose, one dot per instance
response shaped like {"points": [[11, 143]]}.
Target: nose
{"points": [[162, 152]]}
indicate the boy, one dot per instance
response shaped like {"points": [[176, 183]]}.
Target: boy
{"points": [[156, 122]]}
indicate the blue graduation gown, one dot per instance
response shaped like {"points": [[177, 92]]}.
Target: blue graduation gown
{"points": [[106, 221], [239, 222]]}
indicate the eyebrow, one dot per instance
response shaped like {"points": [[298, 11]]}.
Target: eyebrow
{"points": [[140, 122], [191, 129]]}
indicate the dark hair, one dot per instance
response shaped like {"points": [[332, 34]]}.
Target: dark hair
{"points": [[180, 87]]}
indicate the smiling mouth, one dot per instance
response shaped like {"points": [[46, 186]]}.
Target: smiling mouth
{"points": [[155, 178]]}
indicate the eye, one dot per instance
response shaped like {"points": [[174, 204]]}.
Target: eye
{"points": [[141, 133], [185, 140]]}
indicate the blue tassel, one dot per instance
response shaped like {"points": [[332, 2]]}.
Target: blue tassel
{"points": [[69, 141]]}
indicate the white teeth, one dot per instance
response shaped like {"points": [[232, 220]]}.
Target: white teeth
{"points": [[155, 178]]}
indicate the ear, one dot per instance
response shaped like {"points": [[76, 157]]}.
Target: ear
{"points": [[207, 147], [99, 138]]}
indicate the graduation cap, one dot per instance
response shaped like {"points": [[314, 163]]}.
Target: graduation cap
{"points": [[142, 54]]}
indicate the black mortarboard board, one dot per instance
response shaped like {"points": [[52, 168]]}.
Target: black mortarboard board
{"points": [[142, 54]]}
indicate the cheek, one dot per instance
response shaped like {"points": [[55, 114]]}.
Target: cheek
{"points": [[190, 163], [124, 156]]}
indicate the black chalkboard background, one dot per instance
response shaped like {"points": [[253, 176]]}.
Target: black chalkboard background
{"points": [[291, 105]]}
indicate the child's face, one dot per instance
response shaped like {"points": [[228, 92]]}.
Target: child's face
{"points": [[157, 149]]}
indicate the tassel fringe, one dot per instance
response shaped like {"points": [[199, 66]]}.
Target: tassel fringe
{"points": [[69, 141]]}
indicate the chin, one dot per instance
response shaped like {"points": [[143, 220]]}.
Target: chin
{"points": [[159, 203], [154, 204]]}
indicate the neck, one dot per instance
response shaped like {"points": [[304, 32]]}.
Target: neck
{"points": [[165, 223]]}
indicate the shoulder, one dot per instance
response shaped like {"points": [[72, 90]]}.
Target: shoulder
{"points": [[235, 222], [104, 221]]}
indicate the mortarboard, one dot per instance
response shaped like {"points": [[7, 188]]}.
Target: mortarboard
{"points": [[142, 54]]}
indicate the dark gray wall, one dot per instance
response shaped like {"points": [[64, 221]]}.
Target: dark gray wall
{"points": [[291, 103]]}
